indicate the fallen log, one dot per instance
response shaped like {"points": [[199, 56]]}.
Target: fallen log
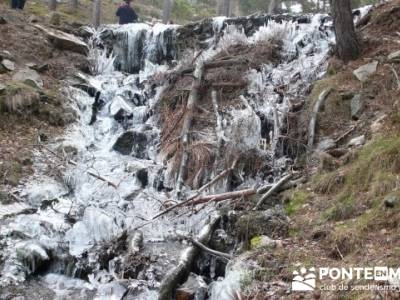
{"points": [[187, 123], [273, 190], [311, 128], [71, 162], [180, 273]]}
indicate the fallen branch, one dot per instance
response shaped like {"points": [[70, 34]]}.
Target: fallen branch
{"points": [[71, 162], [273, 190], [311, 128], [205, 248], [180, 273]]}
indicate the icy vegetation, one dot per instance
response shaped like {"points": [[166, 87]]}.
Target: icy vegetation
{"points": [[79, 216]]}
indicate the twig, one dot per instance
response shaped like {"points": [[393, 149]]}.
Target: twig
{"points": [[71, 162], [273, 189], [205, 248]]}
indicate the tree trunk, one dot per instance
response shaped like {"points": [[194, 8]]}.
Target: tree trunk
{"points": [[53, 5], [74, 5], [226, 8], [347, 44], [273, 7], [96, 13], [167, 11]]}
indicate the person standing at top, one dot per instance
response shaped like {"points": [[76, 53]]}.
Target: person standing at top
{"points": [[126, 14], [17, 4]]}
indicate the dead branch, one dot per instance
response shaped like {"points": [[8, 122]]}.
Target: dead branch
{"points": [[187, 123], [273, 190], [223, 196], [198, 192], [180, 273], [205, 248], [71, 162], [311, 128]]}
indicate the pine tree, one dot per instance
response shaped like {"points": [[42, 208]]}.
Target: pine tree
{"points": [[347, 44]]}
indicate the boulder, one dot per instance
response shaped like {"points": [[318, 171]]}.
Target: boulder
{"points": [[262, 241], [2, 20], [8, 64], [356, 106], [64, 41], [394, 55], [326, 144], [365, 71], [29, 77], [357, 141], [132, 142], [19, 97]]}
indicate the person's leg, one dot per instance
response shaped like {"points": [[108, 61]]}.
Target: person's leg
{"points": [[21, 4], [14, 4]]}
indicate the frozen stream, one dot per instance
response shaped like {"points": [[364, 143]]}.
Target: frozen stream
{"points": [[79, 217]]}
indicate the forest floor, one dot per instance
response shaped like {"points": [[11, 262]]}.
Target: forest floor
{"points": [[348, 212], [41, 111]]}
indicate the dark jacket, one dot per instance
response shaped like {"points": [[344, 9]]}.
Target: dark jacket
{"points": [[126, 14]]}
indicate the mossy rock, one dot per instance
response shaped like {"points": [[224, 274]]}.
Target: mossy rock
{"points": [[18, 97], [272, 223]]}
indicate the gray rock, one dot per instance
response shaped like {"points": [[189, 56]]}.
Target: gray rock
{"points": [[326, 144], [2, 20], [8, 64], [132, 142], [263, 241], [394, 55], [2, 88], [365, 71], [391, 201], [29, 77], [358, 141], [356, 106]]}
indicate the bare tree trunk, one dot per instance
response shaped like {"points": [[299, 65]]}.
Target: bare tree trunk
{"points": [[273, 7], [167, 11], [226, 8], [74, 5], [52, 5], [347, 44], [96, 12]]}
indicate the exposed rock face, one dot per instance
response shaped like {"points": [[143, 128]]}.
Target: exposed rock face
{"points": [[132, 142], [365, 71], [64, 41], [29, 77]]}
